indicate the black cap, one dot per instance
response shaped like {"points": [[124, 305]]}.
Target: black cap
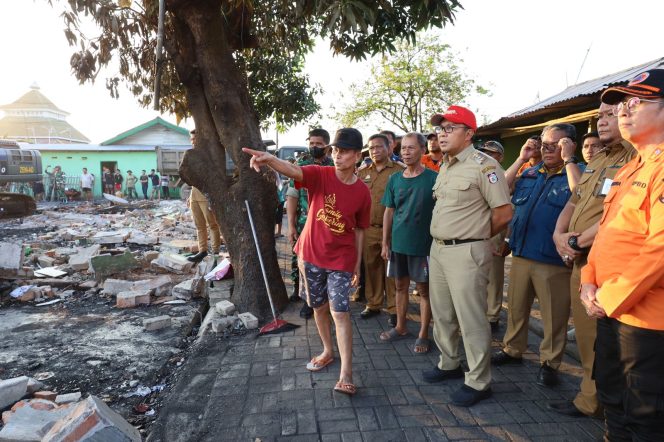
{"points": [[432, 135], [348, 138], [648, 84]]}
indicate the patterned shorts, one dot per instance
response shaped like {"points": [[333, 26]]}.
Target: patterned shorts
{"points": [[414, 267], [325, 285]]}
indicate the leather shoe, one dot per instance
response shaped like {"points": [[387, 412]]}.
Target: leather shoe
{"points": [[467, 396], [368, 313], [438, 375], [306, 312], [567, 408], [547, 376], [197, 257], [392, 321], [502, 358]]}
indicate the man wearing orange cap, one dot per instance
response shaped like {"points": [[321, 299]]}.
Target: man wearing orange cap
{"points": [[470, 185], [623, 283]]}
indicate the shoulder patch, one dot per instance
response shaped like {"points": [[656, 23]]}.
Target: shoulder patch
{"points": [[656, 153], [488, 168], [532, 172], [479, 158], [492, 177], [589, 170]]}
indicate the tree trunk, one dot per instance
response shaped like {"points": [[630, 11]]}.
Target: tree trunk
{"points": [[225, 122]]}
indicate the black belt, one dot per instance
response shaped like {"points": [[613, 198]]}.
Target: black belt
{"points": [[379, 226], [453, 242]]}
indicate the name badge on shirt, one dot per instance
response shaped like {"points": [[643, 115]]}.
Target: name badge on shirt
{"points": [[606, 186]]}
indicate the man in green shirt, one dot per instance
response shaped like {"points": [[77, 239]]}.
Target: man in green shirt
{"points": [[409, 203]]}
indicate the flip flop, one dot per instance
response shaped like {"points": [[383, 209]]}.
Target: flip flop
{"points": [[422, 342], [345, 388], [392, 335], [318, 364]]}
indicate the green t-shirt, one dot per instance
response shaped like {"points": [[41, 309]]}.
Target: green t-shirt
{"points": [[412, 201]]}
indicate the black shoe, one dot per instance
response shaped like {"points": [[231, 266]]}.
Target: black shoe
{"points": [[306, 312], [495, 326], [368, 313], [295, 296], [438, 375], [502, 358], [197, 257], [392, 321], [467, 396], [567, 408], [547, 376]]}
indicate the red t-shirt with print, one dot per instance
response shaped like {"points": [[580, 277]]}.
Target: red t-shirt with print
{"points": [[335, 210]]}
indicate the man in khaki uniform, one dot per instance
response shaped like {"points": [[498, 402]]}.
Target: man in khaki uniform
{"points": [[375, 176], [472, 205], [203, 218], [574, 234], [500, 250]]}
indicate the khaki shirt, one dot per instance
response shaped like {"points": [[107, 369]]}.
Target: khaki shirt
{"points": [[588, 197], [377, 182], [196, 195], [468, 187]]}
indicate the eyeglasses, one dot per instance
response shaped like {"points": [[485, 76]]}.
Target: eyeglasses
{"points": [[549, 147], [631, 103], [447, 129]]}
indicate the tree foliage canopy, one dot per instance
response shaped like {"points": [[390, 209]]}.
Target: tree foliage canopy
{"points": [[409, 86], [269, 40]]}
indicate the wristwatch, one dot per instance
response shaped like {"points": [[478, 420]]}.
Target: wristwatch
{"points": [[573, 242], [572, 159]]}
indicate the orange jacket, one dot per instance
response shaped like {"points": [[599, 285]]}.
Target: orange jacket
{"points": [[429, 164], [627, 257]]}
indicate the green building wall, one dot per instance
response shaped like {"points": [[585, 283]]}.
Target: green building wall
{"points": [[72, 163]]}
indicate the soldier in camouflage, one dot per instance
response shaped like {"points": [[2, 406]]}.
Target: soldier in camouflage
{"points": [[297, 204]]}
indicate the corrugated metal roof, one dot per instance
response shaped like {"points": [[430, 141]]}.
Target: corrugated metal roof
{"points": [[586, 88], [96, 147]]}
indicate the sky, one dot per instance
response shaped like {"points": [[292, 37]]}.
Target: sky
{"points": [[521, 50]]}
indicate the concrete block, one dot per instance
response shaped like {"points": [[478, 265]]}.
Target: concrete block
{"points": [[31, 420], [219, 325], [104, 265], [132, 299], [187, 289], [12, 390], [45, 261], [138, 237], [173, 263], [115, 286], [68, 398], [159, 286], [181, 246], [34, 385], [221, 290], [225, 307], [81, 260], [11, 256], [88, 285], [157, 323], [250, 321], [46, 394], [92, 420], [109, 237], [150, 255]]}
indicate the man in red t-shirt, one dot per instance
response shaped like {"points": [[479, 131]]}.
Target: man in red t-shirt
{"points": [[329, 248]]}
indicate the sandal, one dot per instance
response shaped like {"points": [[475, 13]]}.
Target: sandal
{"points": [[345, 388], [422, 343], [317, 364], [392, 335]]}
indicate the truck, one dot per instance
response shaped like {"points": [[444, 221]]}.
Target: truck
{"points": [[19, 168]]}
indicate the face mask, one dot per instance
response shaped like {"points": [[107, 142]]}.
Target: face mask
{"points": [[317, 152]]}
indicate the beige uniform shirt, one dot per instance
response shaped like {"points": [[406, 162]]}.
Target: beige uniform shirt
{"points": [[588, 196], [377, 182], [468, 187]]}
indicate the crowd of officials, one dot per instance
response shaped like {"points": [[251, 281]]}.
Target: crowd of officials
{"points": [[585, 235]]}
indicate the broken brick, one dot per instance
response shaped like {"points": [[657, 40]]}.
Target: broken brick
{"points": [[46, 394], [250, 321], [132, 299], [157, 323]]}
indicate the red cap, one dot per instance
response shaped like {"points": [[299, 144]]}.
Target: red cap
{"points": [[456, 114]]}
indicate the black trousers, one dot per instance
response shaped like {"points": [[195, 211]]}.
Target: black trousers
{"points": [[629, 374]]}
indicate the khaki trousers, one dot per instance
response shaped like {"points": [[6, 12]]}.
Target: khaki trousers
{"points": [[376, 283], [586, 332], [550, 284], [203, 218], [458, 278], [495, 288]]}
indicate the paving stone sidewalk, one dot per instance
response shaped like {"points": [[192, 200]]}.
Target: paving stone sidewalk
{"points": [[257, 388]]}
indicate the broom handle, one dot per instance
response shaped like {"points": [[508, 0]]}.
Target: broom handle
{"points": [[260, 259]]}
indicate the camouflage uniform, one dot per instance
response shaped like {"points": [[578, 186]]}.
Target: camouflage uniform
{"points": [[302, 206]]}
